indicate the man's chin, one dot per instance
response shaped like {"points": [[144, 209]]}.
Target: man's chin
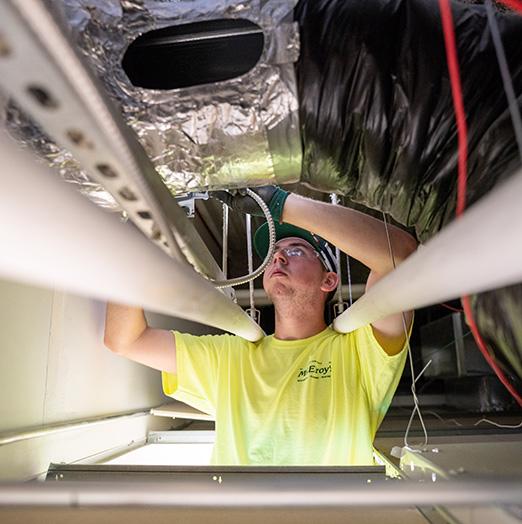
{"points": [[278, 291]]}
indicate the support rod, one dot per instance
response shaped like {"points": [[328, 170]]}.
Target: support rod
{"points": [[480, 251], [52, 236]]}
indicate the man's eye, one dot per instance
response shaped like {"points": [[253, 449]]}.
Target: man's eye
{"points": [[297, 252]]}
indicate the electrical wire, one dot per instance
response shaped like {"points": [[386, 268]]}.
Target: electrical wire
{"points": [[451, 308], [457, 423], [456, 90], [516, 5], [416, 404], [436, 415], [442, 348], [271, 245], [507, 82], [458, 104], [506, 426]]}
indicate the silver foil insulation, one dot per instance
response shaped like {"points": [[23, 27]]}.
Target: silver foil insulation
{"points": [[234, 133]]}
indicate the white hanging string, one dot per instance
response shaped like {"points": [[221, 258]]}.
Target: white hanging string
{"points": [[416, 405]]}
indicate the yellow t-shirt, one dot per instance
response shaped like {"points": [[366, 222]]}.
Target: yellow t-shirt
{"points": [[317, 400]]}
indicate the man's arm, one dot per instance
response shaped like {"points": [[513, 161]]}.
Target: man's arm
{"points": [[364, 238], [127, 334]]}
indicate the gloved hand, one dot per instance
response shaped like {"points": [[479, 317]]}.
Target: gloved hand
{"points": [[238, 200]]}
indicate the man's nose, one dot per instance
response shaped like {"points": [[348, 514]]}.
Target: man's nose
{"points": [[280, 255]]}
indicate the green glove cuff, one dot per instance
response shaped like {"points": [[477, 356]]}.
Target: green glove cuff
{"points": [[277, 203]]}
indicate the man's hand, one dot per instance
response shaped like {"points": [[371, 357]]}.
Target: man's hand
{"points": [[238, 200]]}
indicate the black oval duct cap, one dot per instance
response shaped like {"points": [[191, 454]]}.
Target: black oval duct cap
{"points": [[193, 54]]}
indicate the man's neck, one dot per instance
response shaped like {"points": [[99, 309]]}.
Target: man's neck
{"points": [[293, 323]]}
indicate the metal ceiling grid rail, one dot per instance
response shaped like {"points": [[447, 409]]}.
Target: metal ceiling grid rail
{"points": [[47, 77]]}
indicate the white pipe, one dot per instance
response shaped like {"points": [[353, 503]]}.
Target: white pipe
{"points": [[52, 236], [248, 492], [478, 252]]}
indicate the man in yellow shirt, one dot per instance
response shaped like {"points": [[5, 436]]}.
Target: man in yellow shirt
{"points": [[306, 394]]}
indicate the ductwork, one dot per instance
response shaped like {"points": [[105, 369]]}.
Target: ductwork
{"points": [[375, 110], [235, 133], [378, 124]]}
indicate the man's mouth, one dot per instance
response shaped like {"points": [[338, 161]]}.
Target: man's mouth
{"points": [[277, 272]]}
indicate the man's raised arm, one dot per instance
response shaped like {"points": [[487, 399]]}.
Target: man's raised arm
{"points": [[364, 238], [361, 236], [128, 334]]}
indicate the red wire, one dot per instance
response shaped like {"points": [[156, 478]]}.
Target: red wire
{"points": [[451, 308], [456, 90], [516, 5]]}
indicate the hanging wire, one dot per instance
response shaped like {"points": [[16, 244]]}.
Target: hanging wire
{"points": [[340, 305], [339, 291], [514, 110], [254, 313], [224, 260], [349, 276], [416, 404]]}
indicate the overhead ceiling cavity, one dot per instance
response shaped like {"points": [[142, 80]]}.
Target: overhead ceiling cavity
{"points": [[208, 87], [193, 54]]}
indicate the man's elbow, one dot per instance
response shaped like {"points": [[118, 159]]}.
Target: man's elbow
{"points": [[408, 246], [411, 246], [114, 344]]}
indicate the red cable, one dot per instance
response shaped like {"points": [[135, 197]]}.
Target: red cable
{"points": [[456, 90], [451, 308], [516, 5]]}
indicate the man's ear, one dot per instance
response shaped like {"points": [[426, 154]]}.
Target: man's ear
{"points": [[330, 281]]}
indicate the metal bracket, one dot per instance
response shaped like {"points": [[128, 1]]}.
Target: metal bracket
{"points": [[188, 202], [41, 69]]}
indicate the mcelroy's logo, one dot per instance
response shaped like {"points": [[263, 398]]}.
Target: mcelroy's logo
{"points": [[315, 369]]}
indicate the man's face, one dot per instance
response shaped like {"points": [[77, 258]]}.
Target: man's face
{"points": [[287, 275]]}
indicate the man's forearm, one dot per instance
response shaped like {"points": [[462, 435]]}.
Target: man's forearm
{"points": [[361, 236], [123, 325]]}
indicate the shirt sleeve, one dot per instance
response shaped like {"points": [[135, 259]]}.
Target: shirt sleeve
{"points": [[197, 361], [380, 372]]}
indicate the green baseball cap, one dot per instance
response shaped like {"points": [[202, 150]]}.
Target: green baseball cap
{"points": [[261, 242]]}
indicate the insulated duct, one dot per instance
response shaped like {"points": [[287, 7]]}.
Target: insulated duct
{"points": [[378, 123], [234, 133]]}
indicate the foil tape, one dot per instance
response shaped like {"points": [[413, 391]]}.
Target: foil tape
{"points": [[236, 133]]}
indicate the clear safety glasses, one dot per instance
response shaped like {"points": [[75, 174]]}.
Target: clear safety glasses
{"points": [[297, 251]]}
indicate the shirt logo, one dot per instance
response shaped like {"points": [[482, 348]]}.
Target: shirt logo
{"points": [[315, 369]]}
